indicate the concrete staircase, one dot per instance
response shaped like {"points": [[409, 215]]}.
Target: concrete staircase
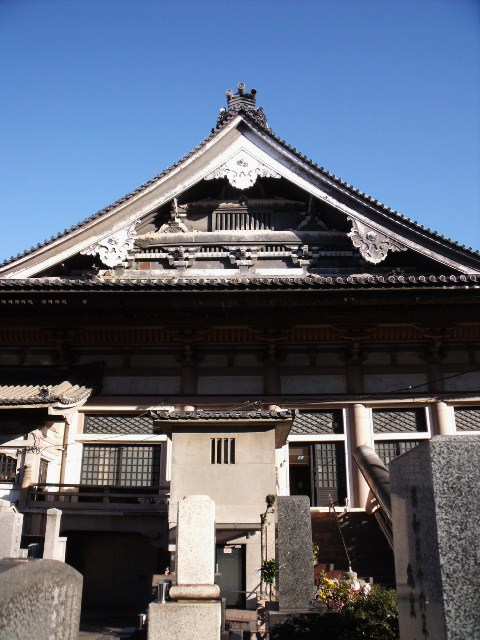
{"points": [[368, 550]]}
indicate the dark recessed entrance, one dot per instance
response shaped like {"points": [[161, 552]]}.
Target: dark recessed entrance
{"points": [[231, 566], [116, 568]]}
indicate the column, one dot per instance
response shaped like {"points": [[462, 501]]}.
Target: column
{"points": [[359, 434], [443, 419]]}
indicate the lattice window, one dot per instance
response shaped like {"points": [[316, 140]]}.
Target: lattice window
{"points": [[124, 466], [222, 450], [399, 420], [387, 451], [117, 424], [330, 477], [8, 468], [467, 419], [313, 422]]}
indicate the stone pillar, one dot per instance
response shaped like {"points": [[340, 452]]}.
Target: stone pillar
{"points": [[26, 482], [444, 423], [11, 523], [435, 507], [54, 546], [197, 610], [296, 588], [359, 435]]}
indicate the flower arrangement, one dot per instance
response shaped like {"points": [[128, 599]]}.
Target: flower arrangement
{"points": [[337, 594]]}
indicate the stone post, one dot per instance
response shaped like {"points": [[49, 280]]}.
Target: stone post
{"points": [[296, 588], [435, 507], [11, 523], [359, 435], [54, 546], [197, 610]]}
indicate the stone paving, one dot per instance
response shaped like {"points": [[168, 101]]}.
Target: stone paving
{"points": [[108, 625]]}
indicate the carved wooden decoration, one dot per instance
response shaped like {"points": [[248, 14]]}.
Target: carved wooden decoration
{"points": [[113, 251], [372, 244], [242, 171]]}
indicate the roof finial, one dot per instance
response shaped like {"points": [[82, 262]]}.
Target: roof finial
{"points": [[241, 102]]}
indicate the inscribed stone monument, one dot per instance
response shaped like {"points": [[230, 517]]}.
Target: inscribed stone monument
{"points": [[296, 588], [435, 507], [39, 599], [197, 610]]}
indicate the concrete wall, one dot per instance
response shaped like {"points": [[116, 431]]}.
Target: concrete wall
{"points": [[239, 489]]}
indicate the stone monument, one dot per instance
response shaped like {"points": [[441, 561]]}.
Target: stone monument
{"points": [[54, 546], [39, 599], [195, 609], [11, 523], [296, 588], [435, 507]]}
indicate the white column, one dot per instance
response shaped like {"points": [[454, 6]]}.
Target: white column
{"points": [[444, 423], [359, 435]]}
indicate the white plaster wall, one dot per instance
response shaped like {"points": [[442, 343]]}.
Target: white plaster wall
{"points": [[393, 381], [246, 360], [154, 360], [313, 384], [410, 357], [454, 357], [464, 382], [239, 489], [213, 360], [230, 384], [377, 357], [129, 385], [296, 360]]}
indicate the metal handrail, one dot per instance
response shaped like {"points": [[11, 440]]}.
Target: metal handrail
{"points": [[332, 506], [378, 479]]}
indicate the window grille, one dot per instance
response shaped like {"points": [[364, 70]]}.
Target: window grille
{"points": [[330, 476], [313, 422], [242, 220], [123, 466], [222, 451], [399, 421], [467, 419], [118, 424], [388, 451], [8, 468]]}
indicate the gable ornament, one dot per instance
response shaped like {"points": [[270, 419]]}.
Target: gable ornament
{"points": [[113, 250], [373, 245], [242, 171]]}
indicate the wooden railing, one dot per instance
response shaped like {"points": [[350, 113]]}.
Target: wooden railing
{"points": [[80, 496]]}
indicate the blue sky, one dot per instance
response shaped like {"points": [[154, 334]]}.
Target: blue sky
{"points": [[97, 96]]}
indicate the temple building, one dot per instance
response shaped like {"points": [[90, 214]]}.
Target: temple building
{"points": [[235, 327]]}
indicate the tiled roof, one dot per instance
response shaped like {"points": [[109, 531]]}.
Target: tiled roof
{"points": [[316, 422], [236, 282], [122, 200], [254, 122], [45, 386], [369, 199], [223, 414]]}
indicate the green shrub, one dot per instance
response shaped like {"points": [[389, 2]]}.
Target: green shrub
{"points": [[374, 616]]}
